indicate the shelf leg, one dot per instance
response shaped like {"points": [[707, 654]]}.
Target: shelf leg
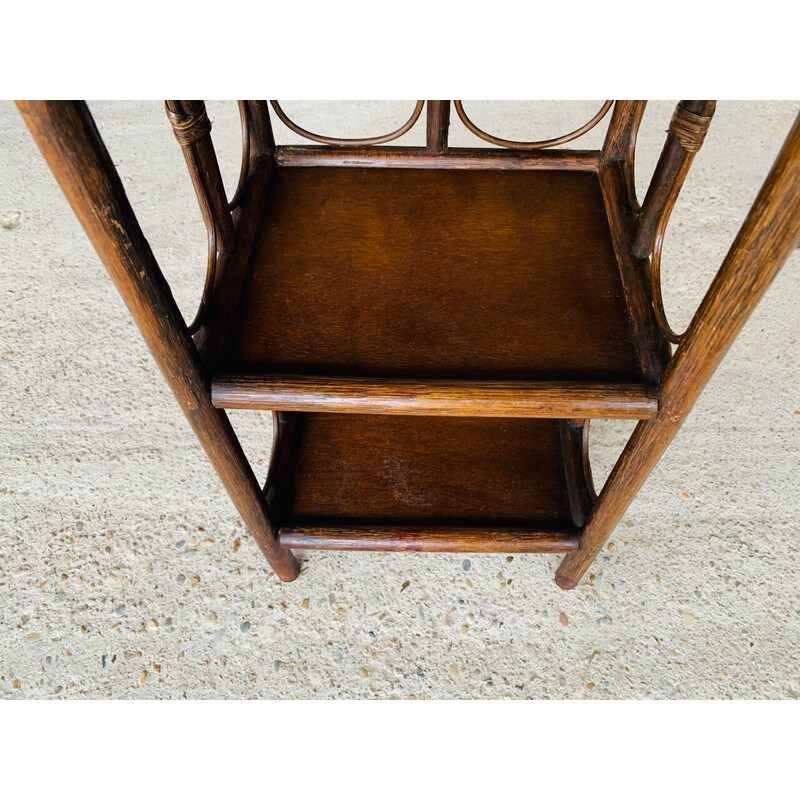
{"points": [[765, 240], [70, 142]]}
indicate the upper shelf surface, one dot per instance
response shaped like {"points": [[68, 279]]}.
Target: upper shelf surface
{"points": [[414, 273]]}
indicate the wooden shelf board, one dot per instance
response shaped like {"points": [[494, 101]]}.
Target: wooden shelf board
{"points": [[434, 274], [412, 482]]}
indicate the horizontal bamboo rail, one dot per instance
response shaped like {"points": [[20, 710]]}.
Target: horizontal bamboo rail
{"points": [[427, 540], [556, 400]]}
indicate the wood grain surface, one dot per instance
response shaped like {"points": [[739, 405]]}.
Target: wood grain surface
{"points": [[552, 399], [437, 471], [429, 539], [436, 274]]}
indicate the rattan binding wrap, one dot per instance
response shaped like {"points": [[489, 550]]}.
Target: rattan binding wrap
{"points": [[189, 129], [689, 129]]}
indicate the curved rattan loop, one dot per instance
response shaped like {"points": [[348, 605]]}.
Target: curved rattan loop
{"points": [[370, 140], [587, 469], [188, 130], [690, 130], [211, 269], [655, 285], [509, 143], [243, 169], [629, 161]]}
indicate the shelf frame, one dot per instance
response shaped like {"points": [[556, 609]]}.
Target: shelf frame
{"points": [[189, 356]]}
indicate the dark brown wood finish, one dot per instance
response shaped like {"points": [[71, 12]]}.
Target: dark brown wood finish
{"points": [[441, 274], [438, 124], [68, 138], [616, 174], [575, 451], [258, 167], [432, 327], [653, 349], [435, 397], [619, 146], [192, 129], [361, 470]]}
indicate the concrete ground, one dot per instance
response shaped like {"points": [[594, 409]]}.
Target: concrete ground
{"points": [[125, 571]]}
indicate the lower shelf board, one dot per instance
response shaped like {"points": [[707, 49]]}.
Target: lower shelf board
{"points": [[429, 540], [375, 482]]}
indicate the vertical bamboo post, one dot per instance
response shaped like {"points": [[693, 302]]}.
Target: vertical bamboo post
{"points": [[764, 242], [438, 124], [620, 142], [70, 142], [622, 131]]}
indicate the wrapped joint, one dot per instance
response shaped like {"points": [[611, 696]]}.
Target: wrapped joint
{"points": [[187, 128], [689, 128]]}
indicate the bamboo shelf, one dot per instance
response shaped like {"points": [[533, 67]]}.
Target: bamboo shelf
{"points": [[433, 328]]}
